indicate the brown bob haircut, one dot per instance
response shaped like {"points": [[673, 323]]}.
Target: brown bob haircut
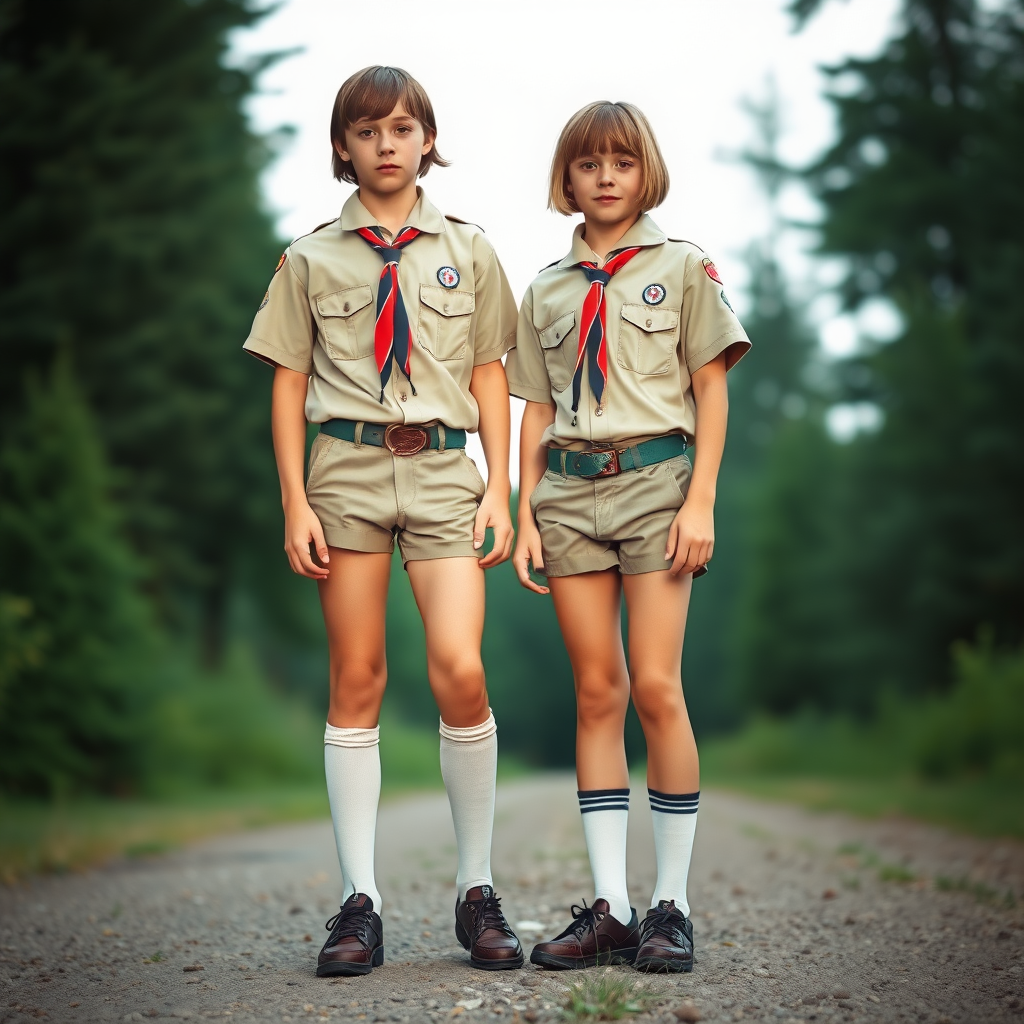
{"points": [[373, 93], [606, 127]]}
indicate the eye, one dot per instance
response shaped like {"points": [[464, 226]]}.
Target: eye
{"points": [[365, 133], [587, 165], [403, 129]]}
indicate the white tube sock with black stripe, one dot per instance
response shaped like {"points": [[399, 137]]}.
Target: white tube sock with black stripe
{"points": [[675, 822], [605, 814], [469, 762], [352, 765]]}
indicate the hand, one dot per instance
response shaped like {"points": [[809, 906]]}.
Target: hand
{"points": [[691, 537], [528, 549], [302, 529], [493, 513]]}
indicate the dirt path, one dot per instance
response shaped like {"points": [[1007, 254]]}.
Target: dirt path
{"points": [[797, 917]]}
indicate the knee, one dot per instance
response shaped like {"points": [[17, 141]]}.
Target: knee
{"points": [[462, 680], [600, 697], [358, 687], [658, 699]]}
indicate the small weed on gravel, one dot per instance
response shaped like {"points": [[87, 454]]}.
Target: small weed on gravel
{"points": [[979, 890], [604, 998]]}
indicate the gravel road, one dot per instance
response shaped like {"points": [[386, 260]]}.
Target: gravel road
{"points": [[798, 917]]}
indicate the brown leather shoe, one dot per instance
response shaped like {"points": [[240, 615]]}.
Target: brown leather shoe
{"points": [[666, 940], [481, 927], [356, 942], [594, 937]]}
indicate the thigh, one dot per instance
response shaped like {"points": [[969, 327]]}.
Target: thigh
{"points": [[588, 606], [657, 603], [354, 602], [439, 494]]}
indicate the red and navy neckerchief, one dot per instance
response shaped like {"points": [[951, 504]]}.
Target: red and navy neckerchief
{"points": [[392, 336], [593, 341]]}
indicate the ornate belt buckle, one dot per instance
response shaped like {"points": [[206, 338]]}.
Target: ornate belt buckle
{"points": [[608, 458], [611, 467], [401, 439]]}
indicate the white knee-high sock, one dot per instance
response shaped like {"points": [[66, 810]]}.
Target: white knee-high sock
{"points": [[605, 815], [469, 761], [352, 765], [675, 822]]}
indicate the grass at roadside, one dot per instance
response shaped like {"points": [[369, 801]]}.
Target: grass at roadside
{"points": [[40, 837], [832, 766]]}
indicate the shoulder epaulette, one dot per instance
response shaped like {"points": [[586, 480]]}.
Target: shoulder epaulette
{"points": [[549, 266], [459, 220], [687, 241], [325, 224]]}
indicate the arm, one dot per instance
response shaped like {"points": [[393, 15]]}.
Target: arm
{"points": [[490, 389], [532, 464], [691, 538], [301, 526]]}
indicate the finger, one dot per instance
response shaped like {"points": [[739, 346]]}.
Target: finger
{"points": [[309, 567], [711, 551], [501, 549], [480, 527], [317, 532], [682, 559], [673, 539]]}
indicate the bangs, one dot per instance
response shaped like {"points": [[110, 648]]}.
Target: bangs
{"points": [[377, 91], [602, 128]]}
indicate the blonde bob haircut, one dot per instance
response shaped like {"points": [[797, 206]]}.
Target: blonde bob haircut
{"points": [[373, 93], [606, 127]]}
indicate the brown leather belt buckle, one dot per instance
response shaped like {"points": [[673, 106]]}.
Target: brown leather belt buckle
{"points": [[611, 467], [400, 439]]}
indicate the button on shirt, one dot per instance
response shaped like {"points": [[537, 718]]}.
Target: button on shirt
{"points": [[667, 315], [319, 313]]}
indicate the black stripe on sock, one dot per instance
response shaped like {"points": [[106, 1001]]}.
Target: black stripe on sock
{"points": [[603, 800], [674, 803]]}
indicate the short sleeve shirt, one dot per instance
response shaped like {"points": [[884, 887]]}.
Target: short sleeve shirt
{"points": [[319, 313], [667, 315]]}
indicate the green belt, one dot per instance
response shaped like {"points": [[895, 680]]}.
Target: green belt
{"points": [[399, 438], [609, 462]]}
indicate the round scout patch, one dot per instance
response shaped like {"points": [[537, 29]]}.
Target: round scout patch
{"points": [[727, 302], [711, 270], [449, 277], [266, 299], [654, 293], [280, 262]]}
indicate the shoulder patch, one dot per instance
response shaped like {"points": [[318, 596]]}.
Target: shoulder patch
{"points": [[459, 220]]}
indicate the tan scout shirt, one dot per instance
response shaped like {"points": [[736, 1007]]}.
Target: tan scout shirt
{"points": [[665, 316], [319, 313]]}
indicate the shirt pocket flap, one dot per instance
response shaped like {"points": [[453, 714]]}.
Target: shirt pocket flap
{"points": [[447, 302], [648, 319], [553, 335], [346, 302]]}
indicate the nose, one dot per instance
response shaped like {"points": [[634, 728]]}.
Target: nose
{"points": [[606, 177], [385, 145]]}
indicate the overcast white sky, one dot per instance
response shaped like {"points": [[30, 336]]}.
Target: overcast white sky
{"points": [[504, 78]]}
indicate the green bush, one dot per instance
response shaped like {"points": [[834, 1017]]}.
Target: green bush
{"points": [[978, 726]]}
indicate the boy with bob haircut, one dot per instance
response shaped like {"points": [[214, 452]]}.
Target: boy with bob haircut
{"points": [[622, 353], [386, 327]]}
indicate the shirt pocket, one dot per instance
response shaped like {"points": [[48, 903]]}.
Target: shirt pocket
{"points": [[346, 322], [445, 319], [647, 338], [559, 351]]}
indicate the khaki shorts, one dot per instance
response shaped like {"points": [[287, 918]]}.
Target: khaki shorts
{"points": [[615, 521], [364, 497]]}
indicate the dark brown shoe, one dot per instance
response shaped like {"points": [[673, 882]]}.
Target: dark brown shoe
{"points": [[356, 942], [593, 938], [666, 940], [481, 927]]}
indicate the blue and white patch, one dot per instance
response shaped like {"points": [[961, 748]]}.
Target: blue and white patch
{"points": [[654, 293], [449, 277], [266, 299], [727, 302]]}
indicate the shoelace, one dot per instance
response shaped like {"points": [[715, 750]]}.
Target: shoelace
{"points": [[489, 915], [349, 922], [583, 919], [667, 922]]}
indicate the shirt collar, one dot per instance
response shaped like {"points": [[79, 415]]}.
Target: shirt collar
{"points": [[643, 233], [424, 216]]}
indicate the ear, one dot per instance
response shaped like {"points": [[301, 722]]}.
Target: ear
{"points": [[342, 152], [428, 145]]}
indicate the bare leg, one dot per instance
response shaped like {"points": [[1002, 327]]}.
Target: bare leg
{"points": [[657, 603], [354, 601], [588, 610]]}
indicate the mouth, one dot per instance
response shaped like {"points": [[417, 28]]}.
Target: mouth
{"points": [[607, 200], [388, 167]]}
